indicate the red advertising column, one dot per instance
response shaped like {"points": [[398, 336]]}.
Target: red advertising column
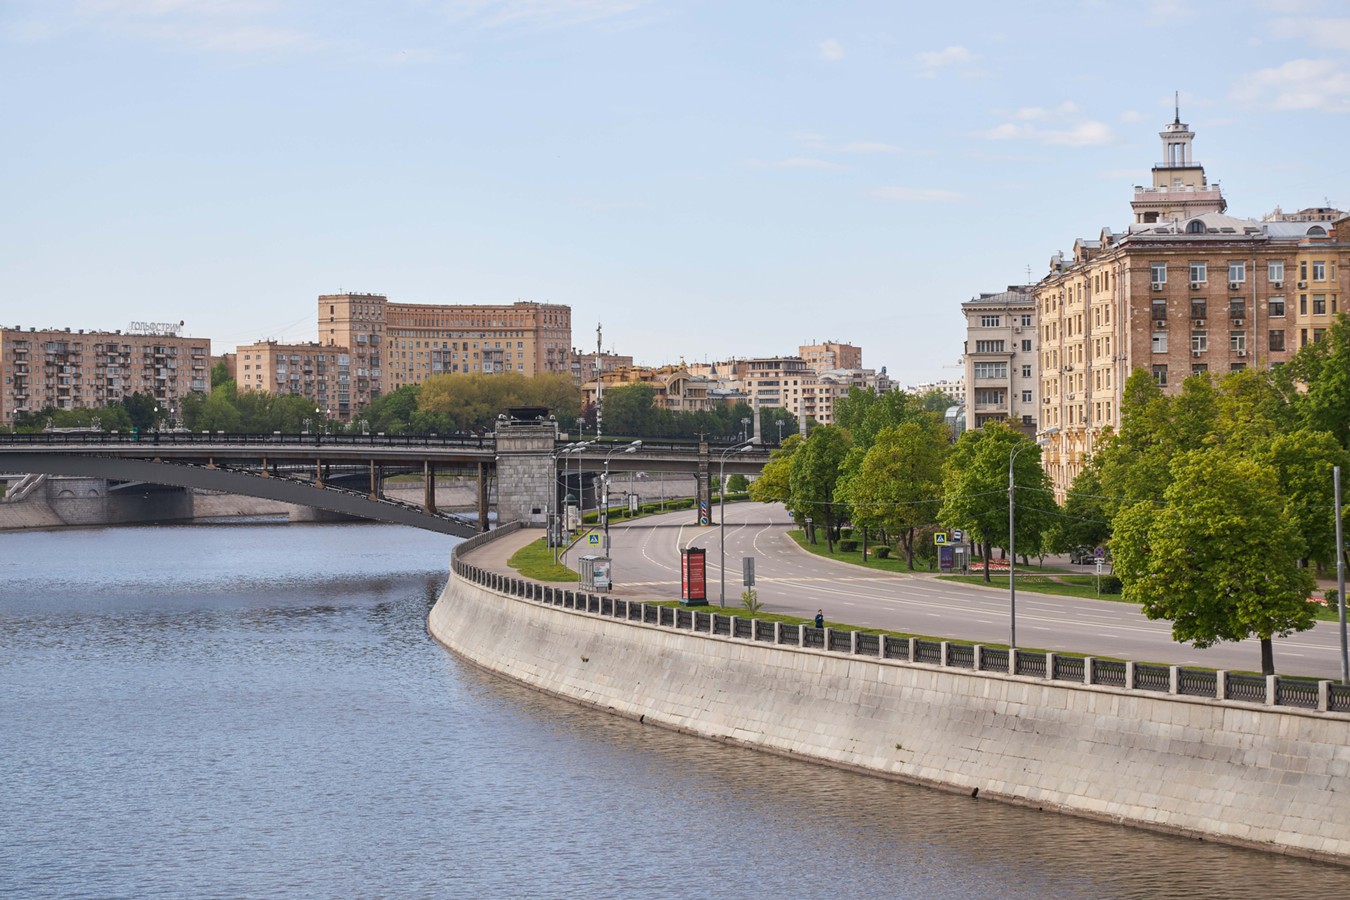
{"points": [[693, 576]]}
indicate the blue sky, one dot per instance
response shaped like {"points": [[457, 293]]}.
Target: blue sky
{"points": [[705, 178]]}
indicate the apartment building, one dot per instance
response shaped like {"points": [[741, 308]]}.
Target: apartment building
{"points": [[1002, 367], [1185, 289], [779, 382], [831, 355], [311, 370], [397, 344], [674, 387], [583, 364], [66, 370]]}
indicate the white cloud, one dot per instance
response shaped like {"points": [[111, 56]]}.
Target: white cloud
{"points": [[795, 162], [1167, 12], [225, 26], [539, 13], [1299, 84], [1130, 116], [919, 195], [831, 50], [1037, 113], [930, 62], [868, 147], [1082, 134], [1329, 34]]}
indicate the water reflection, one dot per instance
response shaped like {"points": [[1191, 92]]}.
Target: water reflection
{"points": [[222, 711]]}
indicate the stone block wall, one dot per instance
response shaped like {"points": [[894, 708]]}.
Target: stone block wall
{"points": [[525, 473]]}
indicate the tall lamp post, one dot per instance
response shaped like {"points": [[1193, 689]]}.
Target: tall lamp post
{"points": [[630, 448], [554, 529], [1012, 533], [722, 514]]}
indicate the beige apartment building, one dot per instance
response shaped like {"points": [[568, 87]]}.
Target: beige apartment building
{"points": [[66, 370], [831, 355], [1002, 368], [675, 388], [315, 371], [1185, 289], [397, 344], [583, 364]]}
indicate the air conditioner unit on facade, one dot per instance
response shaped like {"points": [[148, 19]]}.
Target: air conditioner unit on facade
{"points": [[1198, 323], [1197, 285], [1235, 285], [1303, 284], [1242, 353], [1277, 285], [1157, 286], [1159, 324], [1237, 323]]}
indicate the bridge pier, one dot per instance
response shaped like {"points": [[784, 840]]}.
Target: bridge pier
{"points": [[525, 469], [429, 486], [482, 498]]}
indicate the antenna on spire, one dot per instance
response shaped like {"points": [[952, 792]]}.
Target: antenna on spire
{"points": [[1176, 102]]}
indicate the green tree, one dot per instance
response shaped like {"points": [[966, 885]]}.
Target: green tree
{"points": [[143, 410], [392, 413], [1085, 522], [220, 374], [774, 482], [897, 485], [1302, 462], [1218, 559], [737, 483], [1323, 367], [814, 474], [975, 485]]}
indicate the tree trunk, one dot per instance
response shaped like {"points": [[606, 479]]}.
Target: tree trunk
{"points": [[864, 531], [987, 551], [1267, 656], [907, 538]]}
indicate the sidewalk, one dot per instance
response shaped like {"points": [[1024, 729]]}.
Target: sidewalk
{"points": [[494, 556]]}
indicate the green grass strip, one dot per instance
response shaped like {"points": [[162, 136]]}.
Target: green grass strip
{"points": [[535, 561]]}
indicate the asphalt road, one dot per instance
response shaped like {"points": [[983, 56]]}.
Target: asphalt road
{"points": [[646, 558]]}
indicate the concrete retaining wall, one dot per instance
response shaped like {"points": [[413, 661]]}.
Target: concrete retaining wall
{"points": [[1239, 773]]}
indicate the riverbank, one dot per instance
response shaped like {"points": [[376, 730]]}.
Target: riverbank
{"points": [[1241, 773]]}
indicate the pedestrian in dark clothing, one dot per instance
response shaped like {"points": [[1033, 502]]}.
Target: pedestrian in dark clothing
{"points": [[820, 618]]}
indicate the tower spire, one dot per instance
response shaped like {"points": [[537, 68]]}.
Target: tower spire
{"points": [[1176, 103]]}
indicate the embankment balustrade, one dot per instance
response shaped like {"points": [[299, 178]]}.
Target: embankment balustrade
{"points": [[1321, 696]]}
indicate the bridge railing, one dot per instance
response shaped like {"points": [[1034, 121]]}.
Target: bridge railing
{"points": [[221, 438], [1091, 673]]}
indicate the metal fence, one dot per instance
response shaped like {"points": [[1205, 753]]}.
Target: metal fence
{"points": [[1322, 696]]}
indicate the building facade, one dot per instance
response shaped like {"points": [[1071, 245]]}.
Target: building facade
{"points": [[1002, 365], [831, 355], [65, 370], [397, 344], [317, 372], [1184, 290]]}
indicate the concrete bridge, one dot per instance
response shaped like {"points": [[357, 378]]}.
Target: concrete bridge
{"points": [[345, 473]]}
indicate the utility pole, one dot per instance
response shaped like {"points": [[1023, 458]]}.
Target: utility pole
{"points": [[1340, 574], [599, 382]]}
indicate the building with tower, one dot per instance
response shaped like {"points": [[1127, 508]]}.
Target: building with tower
{"points": [[1184, 290]]}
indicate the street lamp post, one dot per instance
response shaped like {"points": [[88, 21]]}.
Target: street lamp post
{"points": [[722, 515], [780, 432], [1012, 534], [630, 448], [554, 527]]}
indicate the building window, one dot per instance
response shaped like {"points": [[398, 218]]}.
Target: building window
{"points": [[991, 321], [1026, 396], [1199, 272], [1237, 341], [1159, 310], [989, 346], [1277, 307], [1275, 270], [1198, 309], [1026, 346], [1199, 341], [1237, 271], [1026, 319], [1317, 334], [1237, 308], [1160, 375], [1026, 371], [1199, 368], [1302, 304], [1159, 342], [1319, 270], [1158, 273], [1276, 340], [989, 397], [991, 370], [1319, 304]]}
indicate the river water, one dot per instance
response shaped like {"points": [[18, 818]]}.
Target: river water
{"points": [[257, 711]]}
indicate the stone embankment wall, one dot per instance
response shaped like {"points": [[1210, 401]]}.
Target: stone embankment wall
{"points": [[1239, 773]]}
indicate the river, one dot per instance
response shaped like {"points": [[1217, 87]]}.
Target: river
{"points": [[257, 711]]}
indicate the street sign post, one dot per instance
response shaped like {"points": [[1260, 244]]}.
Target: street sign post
{"points": [[748, 571]]}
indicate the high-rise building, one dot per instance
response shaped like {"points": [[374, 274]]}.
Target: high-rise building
{"points": [[1185, 289], [397, 344], [62, 369], [1002, 370]]}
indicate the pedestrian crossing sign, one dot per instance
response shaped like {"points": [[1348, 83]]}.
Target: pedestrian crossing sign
{"points": [[593, 539]]}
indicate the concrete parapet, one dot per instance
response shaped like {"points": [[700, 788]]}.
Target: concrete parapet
{"points": [[1271, 777]]}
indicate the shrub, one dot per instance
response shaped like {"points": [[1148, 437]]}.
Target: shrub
{"points": [[1333, 598], [845, 532], [848, 546], [750, 601], [1111, 584], [883, 552]]}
